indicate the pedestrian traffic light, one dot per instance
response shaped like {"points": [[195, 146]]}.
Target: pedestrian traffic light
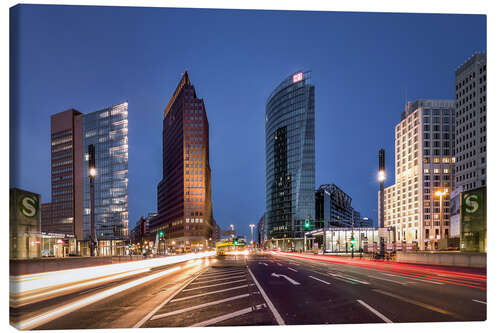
{"points": [[235, 242], [160, 234]]}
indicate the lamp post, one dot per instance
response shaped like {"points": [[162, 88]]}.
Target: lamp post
{"points": [[232, 228], [381, 179], [251, 232], [440, 194], [92, 174]]}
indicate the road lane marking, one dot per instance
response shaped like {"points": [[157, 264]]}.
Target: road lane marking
{"points": [[275, 312], [199, 306], [214, 285], [221, 279], [228, 316], [292, 269], [211, 292], [175, 293], [349, 278], [223, 270], [423, 305], [207, 276], [292, 281], [378, 314], [406, 277], [315, 278], [475, 300]]}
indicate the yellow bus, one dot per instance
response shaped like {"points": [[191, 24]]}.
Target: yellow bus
{"points": [[231, 246]]}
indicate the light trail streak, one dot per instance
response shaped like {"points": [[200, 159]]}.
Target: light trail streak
{"points": [[73, 306], [28, 288], [456, 278]]}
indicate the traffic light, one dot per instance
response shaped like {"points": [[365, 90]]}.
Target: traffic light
{"points": [[160, 234], [352, 243], [235, 242], [307, 224]]}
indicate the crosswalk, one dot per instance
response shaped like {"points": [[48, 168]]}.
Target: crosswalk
{"points": [[219, 296]]}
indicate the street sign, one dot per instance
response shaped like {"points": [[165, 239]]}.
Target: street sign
{"points": [[473, 221]]}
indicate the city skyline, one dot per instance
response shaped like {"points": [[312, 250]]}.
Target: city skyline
{"points": [[338, 96], [184, 167]]}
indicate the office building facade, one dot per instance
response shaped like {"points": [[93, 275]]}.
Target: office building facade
{"points": [[333, 208], [290, 160], [68, 214], [63, 215], [424, 164], [107, 130], [470, 123], [184, 193]]}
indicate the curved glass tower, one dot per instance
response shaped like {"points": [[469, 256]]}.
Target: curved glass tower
{"points": [[290, 160]]}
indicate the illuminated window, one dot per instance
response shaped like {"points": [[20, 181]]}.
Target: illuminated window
{"points": [[436, 160], [436, 170], [426, 170]]}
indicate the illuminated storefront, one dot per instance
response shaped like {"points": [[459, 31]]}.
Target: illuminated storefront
{"points": [[338, 240]]}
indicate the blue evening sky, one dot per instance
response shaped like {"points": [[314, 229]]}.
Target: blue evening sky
{"points": [[363, 65]]}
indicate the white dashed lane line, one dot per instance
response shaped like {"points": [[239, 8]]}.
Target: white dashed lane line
{"points": [[315, 278], [378, 314]]}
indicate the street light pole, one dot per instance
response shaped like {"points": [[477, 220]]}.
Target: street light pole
{"points": [[251, 232], [92, 174], [381, 179], [440, 194]]}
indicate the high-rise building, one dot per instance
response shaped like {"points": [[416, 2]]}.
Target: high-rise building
{"points": [[333, 208], [184, 193], [69, 211], [290, 160], [424, 164], [107, 130], [261, 230], [64, 215], [470, 123]]}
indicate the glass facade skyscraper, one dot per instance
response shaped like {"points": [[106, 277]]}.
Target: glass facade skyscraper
{"points": [[107, 130], [290, 160]]}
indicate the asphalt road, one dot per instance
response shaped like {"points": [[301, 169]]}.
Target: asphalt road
{"points": [[266, 289], [364, 291]]}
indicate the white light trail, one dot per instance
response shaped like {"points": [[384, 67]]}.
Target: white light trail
{"points": [[26, 288], [51, 315]]}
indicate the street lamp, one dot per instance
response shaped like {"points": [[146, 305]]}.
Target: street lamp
{"points": [[381, 176], [251, 232], [440, 194], [381, 179], [232, 228], [92, 174]]}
